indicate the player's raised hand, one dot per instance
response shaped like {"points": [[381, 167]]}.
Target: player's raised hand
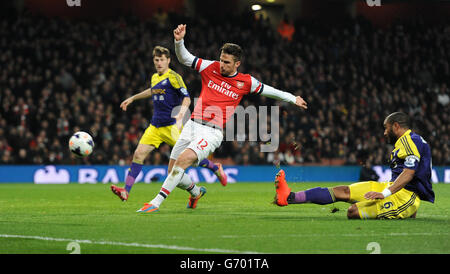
{"points": [[300, 102], [179, 32], [125, 103]]}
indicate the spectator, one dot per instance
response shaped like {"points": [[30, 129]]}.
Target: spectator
{"points": [[286, 29], [352, 75], [367, 173]]}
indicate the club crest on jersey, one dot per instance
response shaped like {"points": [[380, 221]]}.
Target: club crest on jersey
{"points": [[239, 84]]}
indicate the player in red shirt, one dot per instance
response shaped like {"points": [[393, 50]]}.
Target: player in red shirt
{"points": [[222, 89]]}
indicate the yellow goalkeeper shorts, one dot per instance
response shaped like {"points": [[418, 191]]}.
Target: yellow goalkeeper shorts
{"points": [[400, 205], [156, 135]]}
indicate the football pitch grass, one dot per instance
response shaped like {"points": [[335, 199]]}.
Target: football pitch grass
{"points": [[236, 219]]}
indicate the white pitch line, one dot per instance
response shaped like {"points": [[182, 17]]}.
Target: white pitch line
{"points": [[407, 234], [173, 247]]}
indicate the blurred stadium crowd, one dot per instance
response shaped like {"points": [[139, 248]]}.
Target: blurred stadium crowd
{"points": [[60, 76]]}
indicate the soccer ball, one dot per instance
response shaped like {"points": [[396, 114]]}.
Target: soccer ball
{"points": [[81, 144]]}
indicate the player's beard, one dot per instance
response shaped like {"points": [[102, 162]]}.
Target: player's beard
{"points": [[224, 73], [391, 137]]}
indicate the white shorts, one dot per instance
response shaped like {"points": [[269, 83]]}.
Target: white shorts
{"points": [[202, 139]]}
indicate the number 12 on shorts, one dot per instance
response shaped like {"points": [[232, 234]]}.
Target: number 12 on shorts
{"points": [[202, 144]]}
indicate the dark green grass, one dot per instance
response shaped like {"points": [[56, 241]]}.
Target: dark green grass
{"points": [[234, 219]]}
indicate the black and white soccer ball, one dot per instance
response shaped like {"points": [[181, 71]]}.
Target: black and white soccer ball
{"points": [[81, 144]]}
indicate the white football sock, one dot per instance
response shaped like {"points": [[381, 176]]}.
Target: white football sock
{"points": [[187, 184], [169, 185]]}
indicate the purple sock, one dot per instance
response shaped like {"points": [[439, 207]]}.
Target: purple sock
{"points": [[133, 172], [208, 164], [321, 196], [300, 197]]}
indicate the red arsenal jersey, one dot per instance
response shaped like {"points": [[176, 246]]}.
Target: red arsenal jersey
{"points": [[220, 94]]}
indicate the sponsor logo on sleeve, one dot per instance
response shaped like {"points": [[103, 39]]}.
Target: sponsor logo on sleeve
{"points": [[410, 161]]}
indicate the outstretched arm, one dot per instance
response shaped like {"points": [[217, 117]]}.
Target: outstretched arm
{"points": [[183, 55], [405, 177], [274, 93], [142, 95], [183, 109]]}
